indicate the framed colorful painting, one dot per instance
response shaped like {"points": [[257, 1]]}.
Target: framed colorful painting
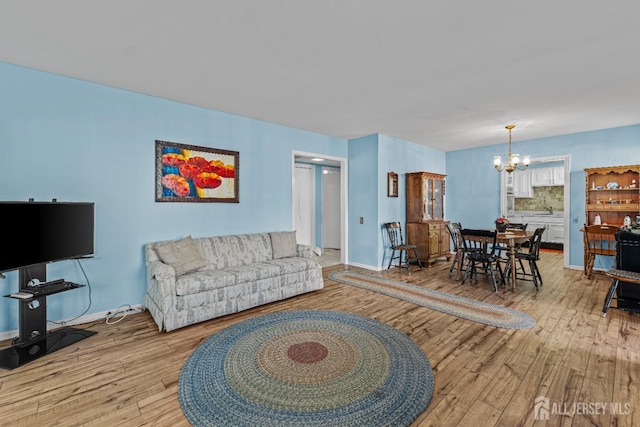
{"points": [[188, 173]]}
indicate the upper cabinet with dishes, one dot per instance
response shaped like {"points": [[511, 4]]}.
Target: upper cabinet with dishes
{"points": [[546, 177], [612, 193]]}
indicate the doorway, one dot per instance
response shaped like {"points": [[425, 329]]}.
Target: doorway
{"points": [[329, 217], [562, 229]]}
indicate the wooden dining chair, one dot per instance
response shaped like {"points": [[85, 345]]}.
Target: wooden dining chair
{"points": [[480, 250], [458, 258], [598, 240], [625, 276], [516, 226], [396, 241], [531, 256]]}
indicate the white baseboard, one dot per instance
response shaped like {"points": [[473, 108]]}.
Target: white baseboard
{"points": [[83, 319], [366, 266]]}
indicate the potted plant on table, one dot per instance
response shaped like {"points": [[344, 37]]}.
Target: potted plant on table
{"points": [[501, 224]]}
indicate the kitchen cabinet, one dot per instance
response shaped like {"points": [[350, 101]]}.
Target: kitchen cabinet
{"points": [[541, 177], [426, 227], [555, 233], [558, 175], [522, 184], [545, 177], [553, 225]]}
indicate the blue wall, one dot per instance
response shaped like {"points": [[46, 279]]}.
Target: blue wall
{"points": [[473, 193], [370, 158], [400, 157], [78, 141], [363, 200]]}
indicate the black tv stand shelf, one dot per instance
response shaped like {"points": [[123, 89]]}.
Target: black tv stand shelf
{"points": [[45, 289], [33, 340]]}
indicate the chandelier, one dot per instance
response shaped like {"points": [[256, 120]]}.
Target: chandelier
{"points": [[513, 161]]}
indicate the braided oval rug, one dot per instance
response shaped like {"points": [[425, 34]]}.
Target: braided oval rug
{"points": [[465, 308], [306, 368]]}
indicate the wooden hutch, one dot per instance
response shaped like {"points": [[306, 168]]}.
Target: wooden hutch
{"points": [[613, 192], [426, 227]]}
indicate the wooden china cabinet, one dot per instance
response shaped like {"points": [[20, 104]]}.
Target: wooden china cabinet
{"points": [[426, 227], [612, 192]]}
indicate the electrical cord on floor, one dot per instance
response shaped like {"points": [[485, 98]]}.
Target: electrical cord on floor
{"points": [[123, 310], [65, 322]]}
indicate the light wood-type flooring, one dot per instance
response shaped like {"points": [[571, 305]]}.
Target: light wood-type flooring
{"points": [[127, 374]]}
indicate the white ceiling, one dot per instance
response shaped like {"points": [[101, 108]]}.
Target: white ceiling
{"points": [[448, 75]]}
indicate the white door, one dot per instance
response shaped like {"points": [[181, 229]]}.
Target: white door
{"points": [[331, 208], [304, 204]]}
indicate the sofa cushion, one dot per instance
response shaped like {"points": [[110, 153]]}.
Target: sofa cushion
{"points": [[182, 255], [254, 272], [284, 244], [201, 281], [294, 264], [232, 251]]}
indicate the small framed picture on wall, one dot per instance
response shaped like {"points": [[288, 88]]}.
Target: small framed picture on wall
{"points": [[392, 184]]}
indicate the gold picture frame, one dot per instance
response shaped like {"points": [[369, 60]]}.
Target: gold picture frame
{"points": [[189, 173]]}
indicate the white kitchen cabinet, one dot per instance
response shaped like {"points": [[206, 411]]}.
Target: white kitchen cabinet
{"points": [[545, 177], [541, 177], [558, 175], [555, 233], [522, 184], [553, 225]]}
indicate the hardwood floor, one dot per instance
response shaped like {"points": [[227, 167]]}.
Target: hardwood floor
{"points": [[127, 374]]}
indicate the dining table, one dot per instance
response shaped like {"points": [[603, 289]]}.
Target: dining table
{"points": [[509, 238]]}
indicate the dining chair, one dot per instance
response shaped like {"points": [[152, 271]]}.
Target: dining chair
{"points": [[599, 240], [480, 250], [625, 276], [531, 257], [517, 226], [396, 241], [458, 258]]}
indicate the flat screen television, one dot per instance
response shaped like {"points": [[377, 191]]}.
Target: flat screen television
{"points": [[42, 232]]}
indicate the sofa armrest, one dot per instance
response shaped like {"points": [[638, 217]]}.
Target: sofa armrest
{"points": [[161, 282], [161, 271], [307, 251]]}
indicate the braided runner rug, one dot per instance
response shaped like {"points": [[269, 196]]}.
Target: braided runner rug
{"points": [[306, 368], [466, 308]]}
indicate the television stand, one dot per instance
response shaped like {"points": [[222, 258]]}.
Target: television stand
{"points": [[33, 340]]}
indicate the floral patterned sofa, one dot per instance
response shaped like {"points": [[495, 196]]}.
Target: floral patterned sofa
{"points": [[192, 280]]}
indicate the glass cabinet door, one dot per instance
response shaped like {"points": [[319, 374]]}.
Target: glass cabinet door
{"points": [[438, 205], [428, 199]]}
